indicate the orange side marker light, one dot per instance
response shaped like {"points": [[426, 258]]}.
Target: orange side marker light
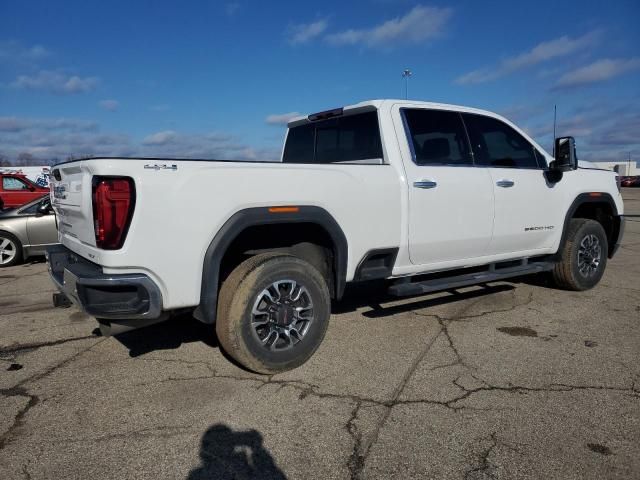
{"points": [[284, 209]]}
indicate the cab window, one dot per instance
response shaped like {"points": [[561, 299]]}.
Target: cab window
{"points": [[436, 137], [351, 138], [496, 144]]}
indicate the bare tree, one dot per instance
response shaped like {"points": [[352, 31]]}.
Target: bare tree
{"points": [[26, 159], [4, 161]]}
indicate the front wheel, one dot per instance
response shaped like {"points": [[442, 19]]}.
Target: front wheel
{"points": [[273, 312], [583, 257]]}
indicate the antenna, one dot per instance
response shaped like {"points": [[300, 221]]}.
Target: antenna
{"points": [[406, 74], [554, 130]]}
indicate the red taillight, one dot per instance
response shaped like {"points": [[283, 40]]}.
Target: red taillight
{"points": [[113, 202]]}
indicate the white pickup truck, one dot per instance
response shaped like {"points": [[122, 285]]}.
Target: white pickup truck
{"points": [[428, 196]]}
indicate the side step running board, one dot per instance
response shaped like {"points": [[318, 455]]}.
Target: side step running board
{"points": [[492, 274]]}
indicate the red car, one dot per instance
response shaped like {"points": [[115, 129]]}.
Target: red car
{"points": [[630, 181], [16, 190]]}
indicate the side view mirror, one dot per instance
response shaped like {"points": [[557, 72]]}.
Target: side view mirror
{"points": [[565, 155], [43, 209]]}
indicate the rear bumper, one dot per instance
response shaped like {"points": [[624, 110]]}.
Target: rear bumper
{"points": [[617, 241], [128, 296]]}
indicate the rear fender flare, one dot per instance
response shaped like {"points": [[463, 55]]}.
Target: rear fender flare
{"points": [[206, 311]]}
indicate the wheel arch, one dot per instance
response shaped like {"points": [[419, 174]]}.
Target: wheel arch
{"points": [[598, 206], [246, 219]]}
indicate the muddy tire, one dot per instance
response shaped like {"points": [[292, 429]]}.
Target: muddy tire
{"points": [[583, 257], [273, 312]]}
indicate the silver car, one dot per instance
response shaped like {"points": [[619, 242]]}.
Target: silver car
{"points": [[26, 231]]}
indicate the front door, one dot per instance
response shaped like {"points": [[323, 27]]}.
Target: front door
{"points": [[527, 217], [15, 192], [450, 200]]}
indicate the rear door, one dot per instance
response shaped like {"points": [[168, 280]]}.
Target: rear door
{"points": [[450, 200], [527, 216]]}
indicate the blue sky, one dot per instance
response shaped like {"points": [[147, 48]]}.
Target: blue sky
{"points": [[216, 79]]}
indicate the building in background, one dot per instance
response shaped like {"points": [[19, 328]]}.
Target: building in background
{"points": [[625, 169]]}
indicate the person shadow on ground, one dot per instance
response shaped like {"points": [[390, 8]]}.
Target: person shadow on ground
{"points": [[226, 455]]}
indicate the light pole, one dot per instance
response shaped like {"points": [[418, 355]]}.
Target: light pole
{"points": [[406, 74]]}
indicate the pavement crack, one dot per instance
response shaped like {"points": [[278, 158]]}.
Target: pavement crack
{"points": [[25, 472], [356, 459], [18, 348], [364, 445], [19, 391], [552, 388], [498, 310], [22, 277], [485, 467], [18, 420]]}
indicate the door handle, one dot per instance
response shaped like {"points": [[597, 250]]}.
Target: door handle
{"points": [[505, 183], [425, 184]]}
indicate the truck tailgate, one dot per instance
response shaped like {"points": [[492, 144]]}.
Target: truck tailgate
{"points": [[71, 200]]}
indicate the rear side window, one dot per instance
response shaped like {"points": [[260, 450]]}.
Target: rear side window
{"points": [[12, 183], [437, 137], [342, 139], [496, 144]]}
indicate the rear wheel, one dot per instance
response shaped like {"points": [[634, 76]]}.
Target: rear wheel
{"points": [[10, 250], [273, 312], [583, 257]]}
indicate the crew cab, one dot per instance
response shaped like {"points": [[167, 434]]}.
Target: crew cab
{"points": [[427, 196], [17, 189]]}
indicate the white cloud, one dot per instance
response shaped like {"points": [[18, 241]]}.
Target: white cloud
{"points": [[598, 71], [160, 138], [56, 82], [281, 118], [604, 129], [542, 52], [17, 124], [231, 8], [305, 32], [51, 138], [420, 24], [109, 105], [16, 51], [163, 107]]}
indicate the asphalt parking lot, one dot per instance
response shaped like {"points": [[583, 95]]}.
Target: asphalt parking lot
{"points": [[512, 380]]}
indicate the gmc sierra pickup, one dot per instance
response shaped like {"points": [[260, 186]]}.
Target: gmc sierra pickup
{"points": [[428, 196]]}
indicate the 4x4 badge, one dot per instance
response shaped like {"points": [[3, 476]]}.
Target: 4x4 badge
{"points": [[163, 166]]}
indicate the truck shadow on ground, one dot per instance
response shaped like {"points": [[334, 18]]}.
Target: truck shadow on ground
{"points": [[362, 296], [168, 335], [184, 328], [228, 454]]}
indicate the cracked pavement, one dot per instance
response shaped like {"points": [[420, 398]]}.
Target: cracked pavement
{"points": [[505, 381]]}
